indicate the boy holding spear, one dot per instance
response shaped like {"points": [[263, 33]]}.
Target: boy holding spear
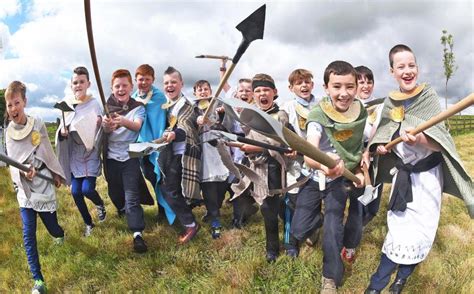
{"points": [[426, 165]]}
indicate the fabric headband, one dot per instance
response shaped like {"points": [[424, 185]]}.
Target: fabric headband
{"points": [[261, 83]]}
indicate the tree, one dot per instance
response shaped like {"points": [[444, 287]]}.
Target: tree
{"points": [[448, 60]]}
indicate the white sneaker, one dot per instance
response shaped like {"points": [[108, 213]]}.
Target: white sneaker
{"points": [[328, 286], [88, 230]]}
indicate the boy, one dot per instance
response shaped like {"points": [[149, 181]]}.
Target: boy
{"points": [[27, 142], [335, 126], [124, 178], [180, 161], [301, 85], [427, 164], [267, 164], [152, 128], [365, 88], [214, 174], [81, 165]]}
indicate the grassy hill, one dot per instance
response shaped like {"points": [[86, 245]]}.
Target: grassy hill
{"points": [[235, 263]]}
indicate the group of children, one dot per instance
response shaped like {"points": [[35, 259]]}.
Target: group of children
{"points": [[196, 167]]}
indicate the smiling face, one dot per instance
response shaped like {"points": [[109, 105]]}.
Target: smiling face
{"points": [[264, 97], [122, 88], [302, 88], [405, 71], [365, 87], [203, 91], [79, 86], [144, 83], [342, 90], [244, 92], [16, 108], [172, 85]]}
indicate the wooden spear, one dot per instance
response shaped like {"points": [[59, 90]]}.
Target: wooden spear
{"points": [[452, 110]]}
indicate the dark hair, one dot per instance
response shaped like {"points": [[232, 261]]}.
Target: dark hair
{"points": [[396, 49], [364, 72], [200, 83], [171, 70], [340, 68], [121, 73], [144, 70], [81, 70]]}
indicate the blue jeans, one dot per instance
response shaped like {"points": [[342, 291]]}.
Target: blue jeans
{"points": [[85, 187], [381, 277], [50, 221]]}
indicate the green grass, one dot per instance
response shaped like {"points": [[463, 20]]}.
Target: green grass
{"points": [[235, 263]]}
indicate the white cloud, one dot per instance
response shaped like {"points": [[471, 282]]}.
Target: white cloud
{"points": [[9, 7], [50, 99], [306, 34]]}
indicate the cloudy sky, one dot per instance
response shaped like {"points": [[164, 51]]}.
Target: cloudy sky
{"points": [[43, 40]]}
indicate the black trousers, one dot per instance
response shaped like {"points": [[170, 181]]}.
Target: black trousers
{"points": [[336, 234], [149, 172], [172, 191], [214, 194], [307, 215], [271, 206], [123, 180]]}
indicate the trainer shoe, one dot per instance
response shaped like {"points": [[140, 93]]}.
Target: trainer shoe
{"points": [[292, 252], [88, 230], [216, 229], [313, 239], [271, 256], [328, 286], [397, 286], [101, 213], [39, 287], [58, 241], [139, 244], [188, 234], [348, 255]]}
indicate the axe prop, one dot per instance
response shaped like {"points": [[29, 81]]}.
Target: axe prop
{"points": [[252, 29], [233, 137], [63, 106], [370, 192], [14, 163], [222, 57]]}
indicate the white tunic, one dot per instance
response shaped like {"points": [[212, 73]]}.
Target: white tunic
{"points": [[411, 233]]}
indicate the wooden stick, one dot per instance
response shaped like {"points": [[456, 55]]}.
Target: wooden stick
{"points": [[307, 149], [90, 37], [219, 89], [452, 110]]}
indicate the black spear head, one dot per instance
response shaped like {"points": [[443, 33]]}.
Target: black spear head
{"points": [[63, 106], [252, 29]]}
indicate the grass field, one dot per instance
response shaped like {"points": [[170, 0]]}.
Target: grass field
{"points": [[105, 262]]}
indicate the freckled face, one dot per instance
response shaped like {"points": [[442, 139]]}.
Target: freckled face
{"points": [[122, 88], [144, 83]]}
